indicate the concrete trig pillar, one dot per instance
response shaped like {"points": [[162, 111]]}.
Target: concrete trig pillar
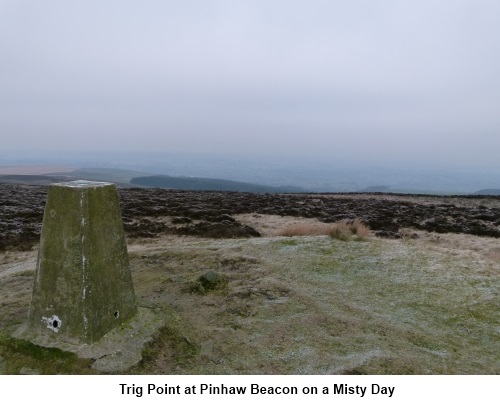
{"points": [[83, 286]]}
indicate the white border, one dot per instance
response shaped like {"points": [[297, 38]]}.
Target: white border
{"points": [[107, 389]]}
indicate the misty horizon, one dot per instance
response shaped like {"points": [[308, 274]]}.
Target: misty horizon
{"points": [[394, 85], [310, 175]]}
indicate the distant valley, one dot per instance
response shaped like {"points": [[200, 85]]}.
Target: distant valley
{"points": [[128, 178], [258, 177]]}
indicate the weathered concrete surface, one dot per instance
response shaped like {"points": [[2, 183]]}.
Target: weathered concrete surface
{"points": [[118, 350], [83, 287]]}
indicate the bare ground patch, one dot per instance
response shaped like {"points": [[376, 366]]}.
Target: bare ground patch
{"points": [[271, 225]]}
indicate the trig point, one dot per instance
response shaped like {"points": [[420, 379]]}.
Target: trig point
{"points": [[83, 287]]}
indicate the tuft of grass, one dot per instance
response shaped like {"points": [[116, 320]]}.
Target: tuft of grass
{"points": [[361, 230], [340, 231], [349, 230]]}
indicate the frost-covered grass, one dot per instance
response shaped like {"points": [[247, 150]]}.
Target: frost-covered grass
{"points": [[308, 305]]}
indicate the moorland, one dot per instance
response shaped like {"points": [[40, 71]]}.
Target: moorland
{"points": [[418, 295]]}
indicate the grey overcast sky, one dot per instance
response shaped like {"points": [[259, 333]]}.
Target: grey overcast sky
{"points": [[367, 80]]}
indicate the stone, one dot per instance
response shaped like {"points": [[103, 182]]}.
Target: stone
{"points": [[83, 286], [211, 280]]}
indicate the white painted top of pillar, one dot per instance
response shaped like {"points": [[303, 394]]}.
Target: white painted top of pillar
{"points": [[83, 184]]}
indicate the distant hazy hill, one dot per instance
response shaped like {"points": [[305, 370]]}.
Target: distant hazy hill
{"points": [[38, 179], [117, 176], [201, 183], [375, 189], [129, 178], [120, 177], [488, 191]]}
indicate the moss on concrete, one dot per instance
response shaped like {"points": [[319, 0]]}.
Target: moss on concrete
{"points": [[83, 287]]}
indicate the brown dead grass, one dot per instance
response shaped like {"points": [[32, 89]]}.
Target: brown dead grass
{"points": [[306, 229], [347, 230], [343, 230]]}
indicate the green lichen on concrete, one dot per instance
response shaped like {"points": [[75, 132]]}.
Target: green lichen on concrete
{"points": [[20, 354], [83, 287]]}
